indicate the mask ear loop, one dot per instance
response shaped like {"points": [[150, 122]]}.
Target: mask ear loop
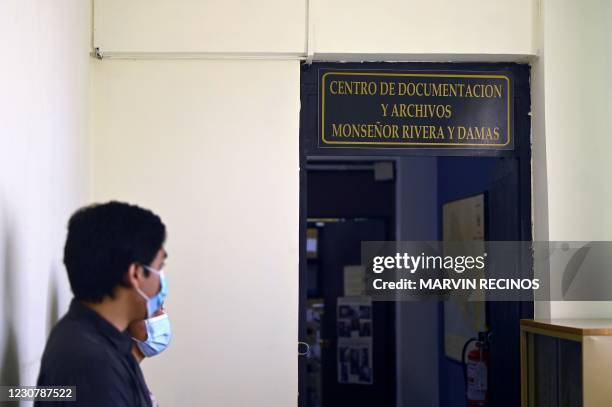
{"points": [[147, 331], [159, 274]]}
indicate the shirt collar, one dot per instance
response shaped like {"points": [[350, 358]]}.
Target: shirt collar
{"points": [[120, 340]]}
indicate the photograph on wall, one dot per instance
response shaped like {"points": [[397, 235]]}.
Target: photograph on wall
{"points": [[354, 317], [355, 361]]}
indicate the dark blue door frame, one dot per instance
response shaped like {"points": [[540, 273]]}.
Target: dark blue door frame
{"points": [[522, 153]]}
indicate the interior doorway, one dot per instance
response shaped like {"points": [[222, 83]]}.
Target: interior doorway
{"points": [[370, 353], [348, 202]]}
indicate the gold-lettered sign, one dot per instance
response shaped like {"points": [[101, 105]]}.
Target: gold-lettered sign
{"points": [[408, 109]]}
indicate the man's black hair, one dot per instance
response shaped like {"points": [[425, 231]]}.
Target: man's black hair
{"points": [[103, 241]]}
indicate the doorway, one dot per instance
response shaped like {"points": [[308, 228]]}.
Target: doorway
{"points": [[396, 353], [348, 202]]}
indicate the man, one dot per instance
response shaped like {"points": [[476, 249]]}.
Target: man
{"points": [[114, 256]]}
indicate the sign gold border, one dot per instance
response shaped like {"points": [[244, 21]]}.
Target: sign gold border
{"points": [[425, 75]]}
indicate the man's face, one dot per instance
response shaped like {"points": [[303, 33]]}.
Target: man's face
{"points": [[148, 286], [151, 285]]}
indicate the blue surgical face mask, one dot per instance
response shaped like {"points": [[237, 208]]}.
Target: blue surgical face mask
{"points": [[159, 334], [155, 303]]}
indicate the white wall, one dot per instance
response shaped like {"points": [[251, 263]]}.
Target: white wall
{"points": [[578, 122], [212, 147], [337, 29], [423, 27], [573, 106], [44, 127], [195, 26]]}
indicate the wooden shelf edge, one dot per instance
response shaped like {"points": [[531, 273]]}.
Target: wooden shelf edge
{"points": [[579, 327]]}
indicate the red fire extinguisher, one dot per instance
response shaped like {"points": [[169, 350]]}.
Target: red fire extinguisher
{"points": [[476, 367]]}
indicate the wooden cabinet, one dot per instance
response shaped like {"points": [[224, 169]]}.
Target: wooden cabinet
{"points": [[566, 363]]}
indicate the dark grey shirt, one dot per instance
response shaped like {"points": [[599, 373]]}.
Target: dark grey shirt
{"points": [[87, 351]]}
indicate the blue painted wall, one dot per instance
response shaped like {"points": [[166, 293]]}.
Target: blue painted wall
{"points": [[417, 328]]}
